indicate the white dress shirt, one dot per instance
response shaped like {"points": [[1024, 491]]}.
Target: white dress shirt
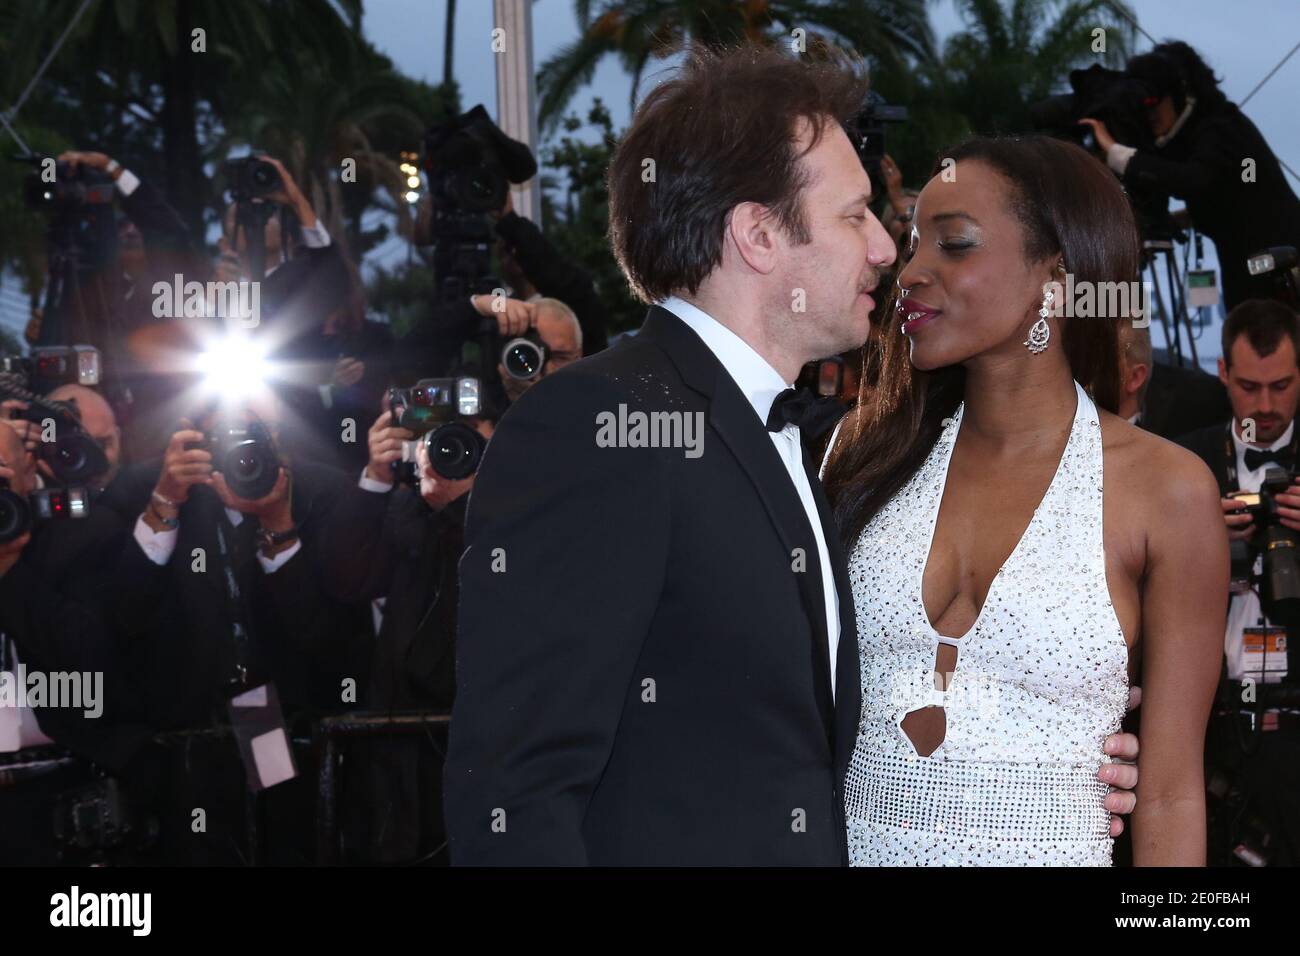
{"points": [[761, 384], [159, 545], [1244, 609]]}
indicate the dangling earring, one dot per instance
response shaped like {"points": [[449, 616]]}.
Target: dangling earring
{"points": [[1040, 332]]}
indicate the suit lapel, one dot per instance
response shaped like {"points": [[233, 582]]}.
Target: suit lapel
{"points": [[848, 680], [734, 421]]}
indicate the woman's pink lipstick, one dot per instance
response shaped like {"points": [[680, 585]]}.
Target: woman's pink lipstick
{"points": [[917, 314]]}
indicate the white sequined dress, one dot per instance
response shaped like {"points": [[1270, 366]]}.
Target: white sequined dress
{"points": [[1041, 679]]}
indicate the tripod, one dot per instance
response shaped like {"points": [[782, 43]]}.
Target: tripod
{"points": [[1174, 318]]}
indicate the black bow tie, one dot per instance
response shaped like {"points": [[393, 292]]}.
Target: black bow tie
{"points": [[810, 412], [1258, 457]]}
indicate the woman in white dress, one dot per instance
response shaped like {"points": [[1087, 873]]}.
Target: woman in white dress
{"points": [[1016, 550]]}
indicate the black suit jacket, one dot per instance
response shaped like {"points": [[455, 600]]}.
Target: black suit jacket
{"points": [[643, 676], [1182, 400], [178, 620], [1203, 165]]}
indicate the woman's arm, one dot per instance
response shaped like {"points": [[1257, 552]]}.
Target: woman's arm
{"points": [[1184, 606]]}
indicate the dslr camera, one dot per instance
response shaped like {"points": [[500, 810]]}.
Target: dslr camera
{"points": [[251, 177], [435, 409], [1280, 582], [71, 188], [245, 454]]}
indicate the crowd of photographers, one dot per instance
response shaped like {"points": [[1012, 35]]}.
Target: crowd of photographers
{"points": [[237, 519], [246, 517]]}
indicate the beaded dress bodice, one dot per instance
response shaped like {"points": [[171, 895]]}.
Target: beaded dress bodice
{"points": [[1041, 679]]}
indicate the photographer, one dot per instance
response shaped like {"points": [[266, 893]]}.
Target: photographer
{"points": [[1205, 151], [535, 269], [335, 363], [218, 591], [1259, 745], [295, 633], [402, 544], [153, 244], [54, 621], [548, 323]]}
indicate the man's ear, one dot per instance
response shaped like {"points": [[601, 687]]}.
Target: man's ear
{"points": [[1141, 373], [753, 230], [1223, 372]]}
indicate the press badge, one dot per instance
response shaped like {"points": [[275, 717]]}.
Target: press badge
{"points": [[1263, 654], [258, 724], [1201, 288]]}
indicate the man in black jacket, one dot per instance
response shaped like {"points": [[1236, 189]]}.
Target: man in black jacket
{"points": [[657, 660], [219, 594], [1209, 154], [401, 545], [1258, 746]]}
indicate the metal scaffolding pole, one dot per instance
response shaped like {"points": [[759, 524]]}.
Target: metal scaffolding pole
{"points": [[517, 91]]}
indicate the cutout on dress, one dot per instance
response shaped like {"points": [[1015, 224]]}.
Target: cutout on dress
{"points": [[927, 726]]}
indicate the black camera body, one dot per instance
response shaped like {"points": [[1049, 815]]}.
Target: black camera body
{"points": [[19, 514], [245, 455], [1115, 98], [436, 409], [251, 177], [867, 133], [470, 165], [73, 457], [73, 187], [1278, 545]]}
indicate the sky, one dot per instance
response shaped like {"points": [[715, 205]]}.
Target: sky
{"points": [[1242, 41]]}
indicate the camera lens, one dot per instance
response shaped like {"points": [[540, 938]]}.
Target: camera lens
{"points": [[15, 516], [454, 450], [250, 469], [522, 358], [74, 458]]}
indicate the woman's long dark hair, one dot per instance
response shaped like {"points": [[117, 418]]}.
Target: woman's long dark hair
{"points": [[1068, 203]]}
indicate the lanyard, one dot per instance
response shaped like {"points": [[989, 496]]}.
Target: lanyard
{"points": [[240, 634]]}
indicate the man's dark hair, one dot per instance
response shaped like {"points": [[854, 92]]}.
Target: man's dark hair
{"points": [[1264, 322], [1174, 69], [720, 132]]}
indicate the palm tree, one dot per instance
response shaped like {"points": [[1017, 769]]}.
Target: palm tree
{"points": [[1014, 53], [313, 114], [148, 85], [888, 33]]}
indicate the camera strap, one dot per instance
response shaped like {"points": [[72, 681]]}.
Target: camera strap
{"points": [[239, 680]]}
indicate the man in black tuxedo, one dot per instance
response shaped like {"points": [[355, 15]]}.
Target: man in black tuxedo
{"points": [[1259, 745], [657, 660]]}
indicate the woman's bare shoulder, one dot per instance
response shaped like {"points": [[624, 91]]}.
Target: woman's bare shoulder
{"points": [[1150, 469]]}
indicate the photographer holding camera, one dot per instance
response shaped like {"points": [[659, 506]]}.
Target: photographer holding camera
{"points": [[54, 622], [399, 543], [104, 263], [218, 592], [335, 363], [1209, 154], [536, 269], [1254, 459]]}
